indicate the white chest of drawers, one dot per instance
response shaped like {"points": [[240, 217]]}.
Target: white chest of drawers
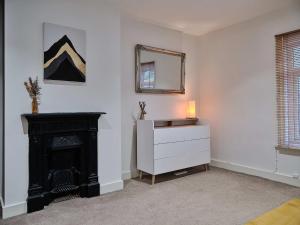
{"points": [[169, 148]]}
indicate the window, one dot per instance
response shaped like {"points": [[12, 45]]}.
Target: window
{"points": [[147, 75], [288, 89]]}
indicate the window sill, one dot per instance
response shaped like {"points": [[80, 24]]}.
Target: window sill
{"points": [[288, 150]]}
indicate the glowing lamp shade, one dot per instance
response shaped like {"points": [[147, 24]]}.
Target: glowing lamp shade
{"points": [[191, 109]]}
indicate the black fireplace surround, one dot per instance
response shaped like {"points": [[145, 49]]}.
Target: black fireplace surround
{"points": [[62, 156]]}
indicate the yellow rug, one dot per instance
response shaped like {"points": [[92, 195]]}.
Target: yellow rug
{"points": [[286, 214]]}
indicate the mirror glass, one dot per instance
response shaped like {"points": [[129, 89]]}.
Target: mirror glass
{"points": [[159, 70]]}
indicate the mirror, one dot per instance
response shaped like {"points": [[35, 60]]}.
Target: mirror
{"points": [[159, 71]]}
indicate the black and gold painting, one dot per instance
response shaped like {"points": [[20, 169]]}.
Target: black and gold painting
{"points": [[64, 53]]}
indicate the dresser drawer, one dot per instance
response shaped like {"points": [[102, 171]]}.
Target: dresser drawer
{"points": [[180, 148], [192, 158], [177, 134]]}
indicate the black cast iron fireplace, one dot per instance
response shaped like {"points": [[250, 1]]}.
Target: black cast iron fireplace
{"points": [[62, 156]]}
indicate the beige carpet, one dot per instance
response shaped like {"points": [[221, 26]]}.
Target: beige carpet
{"points": [[216, 197]]}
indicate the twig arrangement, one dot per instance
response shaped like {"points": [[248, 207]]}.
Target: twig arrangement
{"points": [[143, 112], [33, 88]]}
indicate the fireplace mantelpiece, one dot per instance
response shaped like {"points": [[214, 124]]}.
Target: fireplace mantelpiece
{"points": [[61, 145]]}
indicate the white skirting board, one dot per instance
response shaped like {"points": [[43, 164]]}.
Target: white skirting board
{"points": [[270, 175], [111, 187], [14, 210], [127, 175]]}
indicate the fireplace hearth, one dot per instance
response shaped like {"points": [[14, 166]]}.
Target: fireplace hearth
{"points": [[62, 157]]}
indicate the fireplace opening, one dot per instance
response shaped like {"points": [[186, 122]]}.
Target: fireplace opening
{"points": [[64, 167]]}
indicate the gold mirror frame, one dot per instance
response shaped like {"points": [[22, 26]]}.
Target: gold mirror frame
{"points": [[138, 89]]}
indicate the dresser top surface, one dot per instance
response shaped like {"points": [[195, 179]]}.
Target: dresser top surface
{"points": [[176, 119], [175, 122], [177, 126]]}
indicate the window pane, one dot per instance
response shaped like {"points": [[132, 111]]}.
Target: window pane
{"points": [[147, 75], [288, 89], [298, 104], [297, 57]]}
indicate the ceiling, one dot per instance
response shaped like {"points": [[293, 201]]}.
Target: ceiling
{"points": [[197, 17]]}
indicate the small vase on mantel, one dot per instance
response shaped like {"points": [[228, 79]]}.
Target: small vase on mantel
{"points": [[34, 90], [35, 105]]}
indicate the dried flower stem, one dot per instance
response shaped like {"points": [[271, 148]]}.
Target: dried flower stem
{"points": [[33, 88]]}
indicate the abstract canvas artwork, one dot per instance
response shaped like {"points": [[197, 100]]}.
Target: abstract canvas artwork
{"points": [[64, 53]]}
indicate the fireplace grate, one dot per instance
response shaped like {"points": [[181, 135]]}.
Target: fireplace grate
{"points": [[64, 189], [63, 181], [66, 197]]}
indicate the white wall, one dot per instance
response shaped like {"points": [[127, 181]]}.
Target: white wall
{"points": [[237, 90], [157, 106], [24, 57], [1, 96]]}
